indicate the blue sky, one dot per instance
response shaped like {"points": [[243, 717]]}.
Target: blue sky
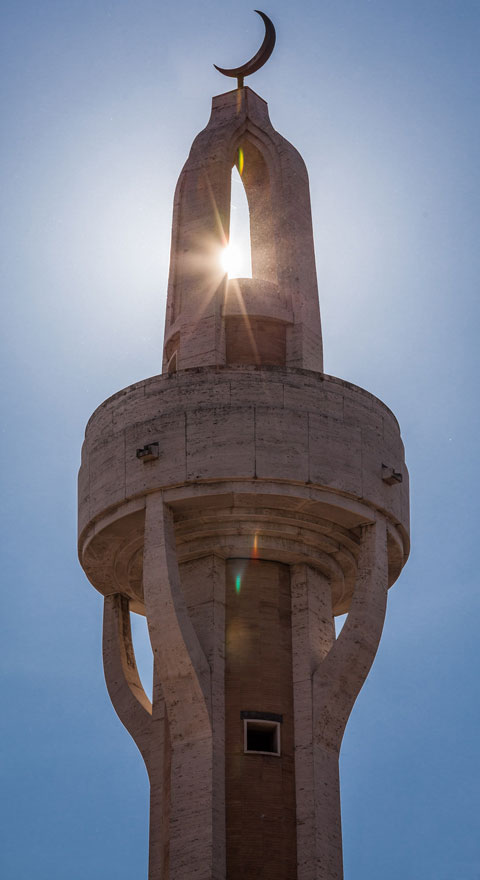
{"points": [[100, 102]]}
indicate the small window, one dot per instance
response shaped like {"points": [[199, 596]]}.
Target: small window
{"points": [[261, 736]]}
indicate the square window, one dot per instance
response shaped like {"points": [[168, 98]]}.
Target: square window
{"points": [[261, 737]]}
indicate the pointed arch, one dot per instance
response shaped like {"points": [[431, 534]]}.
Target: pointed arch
{"points": [[239, 263], [256, 178]]}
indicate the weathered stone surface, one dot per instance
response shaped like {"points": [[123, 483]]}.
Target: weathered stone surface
{"points": [[283, 260], [203, 440], [263, 512]]}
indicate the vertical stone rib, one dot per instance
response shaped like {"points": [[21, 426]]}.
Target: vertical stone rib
{"points": [[121, 675], [218, 715], [328, 858], [339, 678], [336, 684], [203, 587], [159, 776], [313, 635], [185, 678]]}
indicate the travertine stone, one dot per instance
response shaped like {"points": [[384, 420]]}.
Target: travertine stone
{"points": [[336, 684], [185, 679], [283, 260], [313, 635], [203, 584], [260, 789], [123, 682], [199, 440], [265, 513]]}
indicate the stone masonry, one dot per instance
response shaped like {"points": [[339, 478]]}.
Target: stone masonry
{"points": [[241, 500]]}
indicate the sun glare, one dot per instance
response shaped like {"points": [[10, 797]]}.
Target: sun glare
{"points": [[232, 262], [236, 258]]}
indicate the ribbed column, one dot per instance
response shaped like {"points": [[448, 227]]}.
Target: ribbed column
{"points": [[336, 682], [185, 680], [313, 634]]}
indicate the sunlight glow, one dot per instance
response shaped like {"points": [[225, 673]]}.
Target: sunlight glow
{"points": [[232, 261], [236, 258]]}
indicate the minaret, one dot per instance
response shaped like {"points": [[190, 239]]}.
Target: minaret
{"points": [[240, 500]]}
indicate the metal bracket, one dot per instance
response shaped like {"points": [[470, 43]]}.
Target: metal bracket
{"points": [[148, 452], [391, 476]]}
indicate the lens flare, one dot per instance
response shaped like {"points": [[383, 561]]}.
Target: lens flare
{"points": [[238, 583], [236, 258], [232, 261], [255, 547]]}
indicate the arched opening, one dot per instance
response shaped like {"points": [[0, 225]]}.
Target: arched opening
{"points": [[255, 311], [256, 180], [251, 251], [237, 256]]}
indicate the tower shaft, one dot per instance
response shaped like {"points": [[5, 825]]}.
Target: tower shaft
{"points": [[240, 501]]}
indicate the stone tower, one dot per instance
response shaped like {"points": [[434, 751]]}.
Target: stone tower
{"points": [[240, 500]]}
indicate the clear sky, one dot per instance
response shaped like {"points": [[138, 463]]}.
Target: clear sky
{"points": [[100, 102]]}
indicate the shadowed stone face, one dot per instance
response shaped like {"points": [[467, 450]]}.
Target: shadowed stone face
{"points": [[240, 500]]}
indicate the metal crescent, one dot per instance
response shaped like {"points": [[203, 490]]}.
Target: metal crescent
{"points": [[261, 56]]}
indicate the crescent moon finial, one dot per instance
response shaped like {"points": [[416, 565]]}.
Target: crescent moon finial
{"points": [[259, 59]]}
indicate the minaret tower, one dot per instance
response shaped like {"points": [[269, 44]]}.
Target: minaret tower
{"points": [[240, 500]]}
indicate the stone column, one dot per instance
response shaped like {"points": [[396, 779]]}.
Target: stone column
{"points": [[185, 679], [313, 634], [328, 675]]}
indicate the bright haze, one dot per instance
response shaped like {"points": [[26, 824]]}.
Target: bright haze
{"points": [[100, 103]]}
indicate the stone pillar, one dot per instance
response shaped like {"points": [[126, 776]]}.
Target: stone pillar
{"points": [[185, 679], [181, 733], [336, 683], [240, 500], [313, 635]]}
